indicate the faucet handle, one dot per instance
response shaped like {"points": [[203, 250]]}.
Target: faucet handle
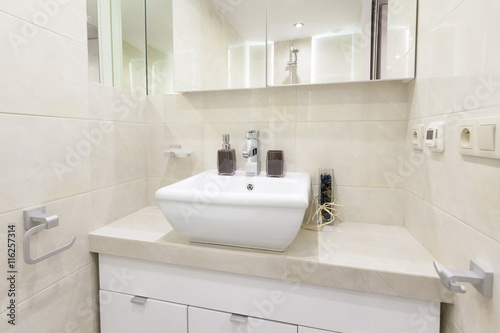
{"points": [[252, 134]]}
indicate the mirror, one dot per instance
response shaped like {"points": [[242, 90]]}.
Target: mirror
{"points": [[160, 54], [118, 46], [200, 45], [318, 41], [328, 41], [219, 44], [395, 37]]}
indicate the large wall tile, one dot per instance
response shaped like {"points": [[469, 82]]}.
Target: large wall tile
{"points": [[69, 305], [43, 159], [361, 153], [369, 205], [112, 203], [454, 244], [107, 103], [431, 13], [119, 152], [43, 73], [352, 101], [255, 105], [74, 217], [176, 108], [64, 17]]}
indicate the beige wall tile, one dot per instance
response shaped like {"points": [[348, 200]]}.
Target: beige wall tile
{"points": [[352, 101], [107, 103], [69, 305], [112, 203], [42, 73], [176, 108], [44, 159], [119, 153], [452, 200], [63, 17], [370, 205]]}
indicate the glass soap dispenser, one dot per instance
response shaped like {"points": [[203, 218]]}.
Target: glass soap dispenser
{"points": [[226, 158]]}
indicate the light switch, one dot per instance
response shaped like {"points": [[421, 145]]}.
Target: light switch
{"points": [[486, 137]]}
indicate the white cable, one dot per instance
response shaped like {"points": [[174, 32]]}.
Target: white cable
{"points": [[326, 207]]}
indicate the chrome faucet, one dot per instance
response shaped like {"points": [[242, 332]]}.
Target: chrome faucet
{"points": [[251, 154]]}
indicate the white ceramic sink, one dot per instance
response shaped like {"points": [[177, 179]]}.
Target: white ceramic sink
{"points": [[256, 212]]}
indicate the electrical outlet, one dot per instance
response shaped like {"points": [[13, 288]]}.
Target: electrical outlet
{"points": [[466, 135], [479, 137], [417, 136]]}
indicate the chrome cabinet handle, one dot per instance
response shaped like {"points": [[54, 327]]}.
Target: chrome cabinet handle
{"points": [[240, 319], [139, 300]]}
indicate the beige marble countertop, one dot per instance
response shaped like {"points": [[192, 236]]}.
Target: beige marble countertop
{"points": [[365, 257]]}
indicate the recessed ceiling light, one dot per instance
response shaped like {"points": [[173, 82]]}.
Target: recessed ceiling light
{"points": [[298, 25]]}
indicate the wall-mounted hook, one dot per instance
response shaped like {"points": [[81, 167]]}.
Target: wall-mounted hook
{"points": [[478, 275], [36, 220]]}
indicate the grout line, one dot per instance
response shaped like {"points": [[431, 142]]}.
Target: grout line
{"points": [[90, 263], [439, 22], [42, 27], [69, 118], [467, 225]]}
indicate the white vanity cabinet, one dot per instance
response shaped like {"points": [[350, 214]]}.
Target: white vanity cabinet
{"points": [[184, 299], [125, 313]]}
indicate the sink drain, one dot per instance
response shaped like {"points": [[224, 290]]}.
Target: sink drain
{"points": [[250, 187]]}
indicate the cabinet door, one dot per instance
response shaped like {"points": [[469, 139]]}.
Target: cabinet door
{"points": [[209, 321], [121, 313], [313, 330]]}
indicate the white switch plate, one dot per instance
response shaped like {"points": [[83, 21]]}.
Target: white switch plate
{"points": [[479, 137]]}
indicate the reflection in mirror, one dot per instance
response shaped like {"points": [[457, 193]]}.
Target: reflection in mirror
{"points": [[318, 41], [197, 45], [128, 40], [92, 41], [219, 44], [117, 57], [160, 47], [395, 41]]}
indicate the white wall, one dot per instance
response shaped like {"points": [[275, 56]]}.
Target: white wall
{"points": [[452, 201], [76, 148]]}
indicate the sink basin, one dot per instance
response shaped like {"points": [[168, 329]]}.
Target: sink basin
{"points": [[256, 212]]}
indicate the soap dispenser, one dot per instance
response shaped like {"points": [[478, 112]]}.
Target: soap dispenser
{"points": [[226, 158]]}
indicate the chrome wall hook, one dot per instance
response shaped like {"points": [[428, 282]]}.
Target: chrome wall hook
{"points": [[36, 220], [479, 276]]}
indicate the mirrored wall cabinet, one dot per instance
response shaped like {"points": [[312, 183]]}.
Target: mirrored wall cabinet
{"points": [[167, 46]]}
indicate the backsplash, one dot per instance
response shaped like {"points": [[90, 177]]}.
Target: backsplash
{"points": [[358, 129]]}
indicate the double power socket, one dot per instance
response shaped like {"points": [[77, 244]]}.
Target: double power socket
{"points": [[476, 137]]}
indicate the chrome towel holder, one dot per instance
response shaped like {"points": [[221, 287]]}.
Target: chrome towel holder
{"points": [[479, 276], [36, 220]]}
